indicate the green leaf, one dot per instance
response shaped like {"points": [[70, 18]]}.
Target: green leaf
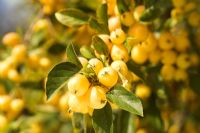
{"points": [[57, 49], [58, 76], [122, 7], [71, 55], [101, 13], [72, 17], [87, 52], [99, 45], [127, 122], [102, 119], [101, 28], [136, 69], [125, 100], [150, 14]]}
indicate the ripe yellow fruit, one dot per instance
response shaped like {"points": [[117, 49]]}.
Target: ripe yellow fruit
{"points": [[108, 77], [150, 44], [117, 36], [78, 104], [120, 67], [17, 105], [95, 64], [127, 19], [183, 61], [54, 99], [166, 41], [114, 23], [194, 19], [19, 52], [177, 14], [97, 97], [78, 84], [41, 24], [3, 121], [47, 9], [11, 39], [138, 12], [155, 56], [179, 3], [142, 91], [4, 69], [119, 52], [180, 75], [5, 102], [45, 62], [63, 102], [138, 54], [138, 32], [182, 43], [167, 72], [14, 75], [111, 6], [83, 61], [107, 41], [33, 59], [168, 57], [141, 130]]}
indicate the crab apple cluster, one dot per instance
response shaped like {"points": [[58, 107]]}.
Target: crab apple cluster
{"points": [[10, 107], [171, 48], [21, 56], [87, 94]]}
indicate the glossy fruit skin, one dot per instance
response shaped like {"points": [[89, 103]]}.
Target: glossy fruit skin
{"points": [[139, 55], [3, 121], [5, 102], [127, 18], [117, 36], [108, 77], [17, 105], [78, 104], [166, 41], [63, 102], [167, 72], [14, 75], [138, 32], [119, 52], [97, 97], [114, 23], [138, 12], [45, 62], [120, 67], [78, 85], [83, 61], [95, 64], [11, 39], [19, 53]]}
